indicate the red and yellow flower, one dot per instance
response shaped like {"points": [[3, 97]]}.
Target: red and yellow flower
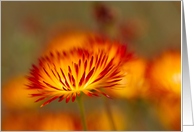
{"points": [[68, 74]]}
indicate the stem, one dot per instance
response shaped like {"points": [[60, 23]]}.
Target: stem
{"points": [[109, 113], [81, 108]]}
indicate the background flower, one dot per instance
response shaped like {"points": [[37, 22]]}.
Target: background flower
{"points": [[164, 74], [15, 94], [135, 84], [40, 121]]}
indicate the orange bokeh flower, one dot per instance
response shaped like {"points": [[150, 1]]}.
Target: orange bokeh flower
{"points": [[20, 121], [14, 94], [68, 74], [164, 74], [164, 77], [38, 121], [60, 121], [67, 41], [134, 81]]}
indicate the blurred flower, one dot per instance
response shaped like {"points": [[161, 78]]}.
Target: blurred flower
{"points": [[66, 74], [99, 121], [134, 81], [20, 121], [60, 122], [164, 74], [67, 41], [104, 14], [37, 121], [15, 95], [65, 27]]}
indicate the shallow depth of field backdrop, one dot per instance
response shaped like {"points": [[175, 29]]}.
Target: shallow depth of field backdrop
{"points": [[26, 28]]}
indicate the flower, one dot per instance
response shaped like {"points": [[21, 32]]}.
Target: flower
{"points": [[164, 74], [104, 14], [67, 41], [20, 121], [135, 84], [68, 74], [40, 121], [14, 94], [60, 121]]}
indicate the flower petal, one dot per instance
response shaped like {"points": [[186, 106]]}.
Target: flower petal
{"points": [[50, 100], [68, 98], [63, 96], [73, 97], [103, 93], [87, 93]]}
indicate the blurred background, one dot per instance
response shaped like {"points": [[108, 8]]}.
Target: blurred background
{"points": [[152, 30]]}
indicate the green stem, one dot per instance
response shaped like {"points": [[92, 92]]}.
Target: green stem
{"points": [[109, 113], [81, 108]]}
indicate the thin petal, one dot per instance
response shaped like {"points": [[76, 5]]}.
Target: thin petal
{"points": [[78, 93], [68, 98], [41, 98], [51, 86], [103, 93], [87, 93], [90, 74], [95, 94], [50, 100], [73, 97], [82, 79], [65, 95]]}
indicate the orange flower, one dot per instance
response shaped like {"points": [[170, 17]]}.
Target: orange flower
{"points": [[134, 81], [67, 41], [38, 121], [164, 74], [66, 74], [59, 122], [14, 94], [20, 121]]}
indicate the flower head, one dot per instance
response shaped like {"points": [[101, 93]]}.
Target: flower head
{"points": [[164, 74], [68, 74]]}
